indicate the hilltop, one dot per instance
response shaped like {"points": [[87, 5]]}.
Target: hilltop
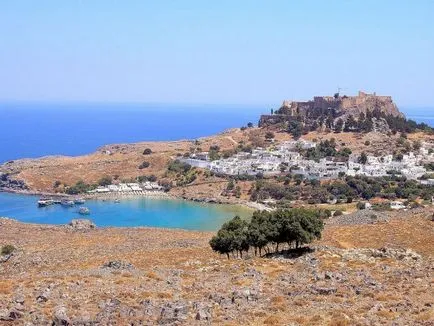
{"points": [[363, 112]]}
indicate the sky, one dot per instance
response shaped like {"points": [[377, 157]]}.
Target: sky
{"points": [[217, 52]]}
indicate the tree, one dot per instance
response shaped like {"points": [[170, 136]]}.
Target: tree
{"points": [[105, 181], [363, 158], [417, 145], [249, 125], [147, 151], [339, 125], [269, 135], [231, 185], [232, 237]]}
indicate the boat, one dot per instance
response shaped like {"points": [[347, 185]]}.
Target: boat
{"points": [[117, 201], [79, 201], [67, 203], [83, 211], [44, 202]]}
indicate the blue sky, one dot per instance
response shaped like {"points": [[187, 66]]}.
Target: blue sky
{"points": [[243, 52]]}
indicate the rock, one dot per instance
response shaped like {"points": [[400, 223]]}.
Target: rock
{"points": [[60, 317], [117, 264], [173, 312], [44, 296], [324, 291], [10, 315], [81, 224], [203, 312]]}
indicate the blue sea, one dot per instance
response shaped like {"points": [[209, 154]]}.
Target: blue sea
{"points": [[33, 130]]}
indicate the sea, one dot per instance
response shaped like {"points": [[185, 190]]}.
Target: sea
{"points": [[30, 130]]}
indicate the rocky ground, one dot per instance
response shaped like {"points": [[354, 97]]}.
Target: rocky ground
{"points": [[358, 274]]}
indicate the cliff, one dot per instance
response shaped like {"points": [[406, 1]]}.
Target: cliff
{"points": [[332, 107]]}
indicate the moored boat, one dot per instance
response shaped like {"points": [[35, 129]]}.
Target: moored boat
{"points": [[84, 211], [79, 201], [43, 202], [67, 203]]}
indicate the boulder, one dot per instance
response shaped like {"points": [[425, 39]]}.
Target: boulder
{"points": [[81, 224], [60, 318], [118, 265]]}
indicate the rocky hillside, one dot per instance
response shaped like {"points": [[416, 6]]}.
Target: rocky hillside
{"points": [[364, 112], [359, 274]]}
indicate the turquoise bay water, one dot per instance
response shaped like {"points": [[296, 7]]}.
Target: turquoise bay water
{"points": [[167, 213]]}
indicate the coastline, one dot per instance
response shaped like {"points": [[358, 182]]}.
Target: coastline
{"points": [[144, 194]]}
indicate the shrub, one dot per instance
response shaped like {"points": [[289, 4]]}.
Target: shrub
{"points": [[144, 165], [178, 166], [147, 151], [7, 249], [338, 213], [105, 181]]}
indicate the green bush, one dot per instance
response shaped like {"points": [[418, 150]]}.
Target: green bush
{"points": [[7, 249], [144, 165], [147, 151]]}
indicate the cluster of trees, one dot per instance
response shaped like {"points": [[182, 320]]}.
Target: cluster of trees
{"points": [[184, 172], [293, 187], [266, 231], [232, 189], [178, 167], [326, 148]]}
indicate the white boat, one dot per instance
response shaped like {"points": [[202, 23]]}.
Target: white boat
{"points": [[83, 211], [43, 202], [79, 201], [67, 203]]}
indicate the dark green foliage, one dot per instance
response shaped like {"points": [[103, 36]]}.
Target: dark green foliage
{"points": [[294, 226], [347, 189], [7, 249], [105, 181], [214, 152], [295, 128], [231, 185], [323, 149], [150, 178], [147, 151], [178, 166], [269, 135], [363, 158], [144, 165], [57, 184], [429, 166], [249, 125], [79, 187], [339, 125], [232, 237]]}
